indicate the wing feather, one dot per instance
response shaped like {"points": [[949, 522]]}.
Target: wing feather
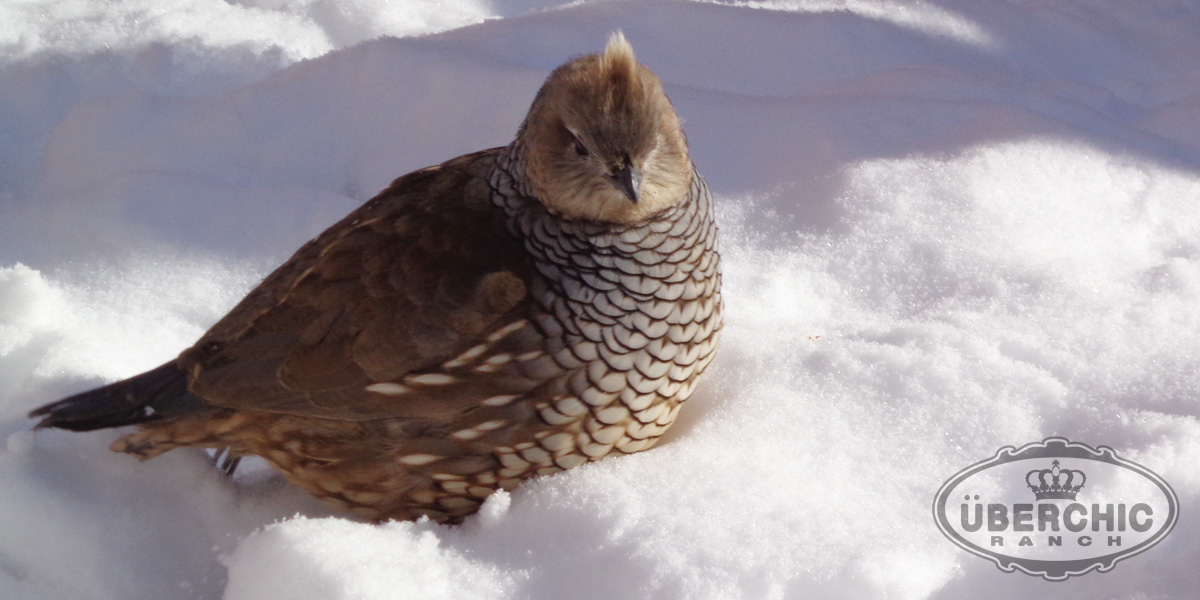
{"points": [[413, 278]]}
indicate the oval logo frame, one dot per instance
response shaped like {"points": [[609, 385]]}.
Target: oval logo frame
{"points": [[1054, 473]]}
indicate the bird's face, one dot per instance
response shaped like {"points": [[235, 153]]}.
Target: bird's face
{"points": [[603, 143]]}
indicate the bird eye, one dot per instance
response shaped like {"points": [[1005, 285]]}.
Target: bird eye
{"points": [[580, 149]]}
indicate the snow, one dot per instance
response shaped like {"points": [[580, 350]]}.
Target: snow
{"points": [[947, 227]]}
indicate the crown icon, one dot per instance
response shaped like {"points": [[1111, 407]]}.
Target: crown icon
{"points": [[1055, 483]]}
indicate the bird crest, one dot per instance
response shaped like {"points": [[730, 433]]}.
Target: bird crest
{"points": [[617, 61], [619, 75]]}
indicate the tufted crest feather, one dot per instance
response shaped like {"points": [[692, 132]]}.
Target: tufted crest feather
{"points": [[618, 55], [619, 72]]}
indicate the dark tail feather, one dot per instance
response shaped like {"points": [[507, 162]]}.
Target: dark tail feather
{"points": [[152, 396]]}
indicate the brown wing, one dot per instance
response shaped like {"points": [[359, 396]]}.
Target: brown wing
{"points": [[414, 277]]}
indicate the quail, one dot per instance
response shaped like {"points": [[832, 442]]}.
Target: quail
{"points": [[508, 313]]}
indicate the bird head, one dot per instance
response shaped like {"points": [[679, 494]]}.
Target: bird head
{"points": [[603, 143]]}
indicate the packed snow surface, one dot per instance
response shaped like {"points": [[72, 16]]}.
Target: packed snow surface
{"points": [[947, 227]]}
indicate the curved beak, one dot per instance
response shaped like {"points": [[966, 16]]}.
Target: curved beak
{"points": [[629, 181]]}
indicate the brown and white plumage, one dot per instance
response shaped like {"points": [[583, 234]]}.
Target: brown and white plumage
{"points": [[515, 311]]}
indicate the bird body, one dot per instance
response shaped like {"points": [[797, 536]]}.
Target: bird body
{"points": [[508, 313]]}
